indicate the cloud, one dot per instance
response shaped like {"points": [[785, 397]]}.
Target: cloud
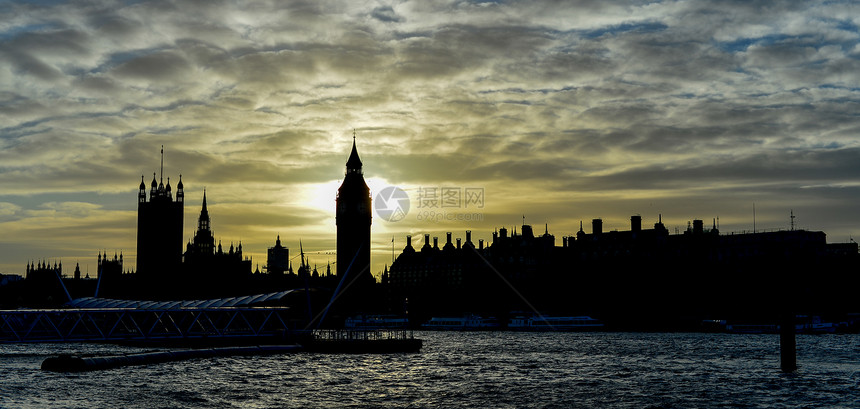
{"points": [[386, 14], [161, 66], [608, 105], [8, 210]]}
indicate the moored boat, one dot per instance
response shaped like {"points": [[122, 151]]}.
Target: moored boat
{"points": [[376, 322], [464, 323], [803, 325], [814, 325], [551, 323], [752, 328]]}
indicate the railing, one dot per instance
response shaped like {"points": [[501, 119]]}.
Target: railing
{"points": [[346, 335]]}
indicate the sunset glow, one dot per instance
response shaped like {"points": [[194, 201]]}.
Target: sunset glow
{"points": [[558, 112]]}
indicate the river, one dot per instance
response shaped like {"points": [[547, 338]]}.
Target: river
{"points": [[464, 370]]}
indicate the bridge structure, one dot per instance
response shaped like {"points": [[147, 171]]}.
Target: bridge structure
{"points": [[105, 320]]}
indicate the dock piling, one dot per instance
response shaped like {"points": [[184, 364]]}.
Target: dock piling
{"points": [[787, 343]]}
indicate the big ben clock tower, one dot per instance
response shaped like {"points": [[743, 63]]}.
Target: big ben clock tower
{"points": [[353, 223]]}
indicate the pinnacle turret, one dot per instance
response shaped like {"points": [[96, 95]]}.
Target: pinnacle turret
{"points": [[353, 164]]}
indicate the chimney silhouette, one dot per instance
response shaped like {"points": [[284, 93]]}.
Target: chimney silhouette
{"points": [[597, 226]]}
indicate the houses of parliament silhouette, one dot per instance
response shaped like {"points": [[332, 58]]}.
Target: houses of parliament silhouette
{"points": [[206, 269], [636, 276], [162, 266], [167, 268]]}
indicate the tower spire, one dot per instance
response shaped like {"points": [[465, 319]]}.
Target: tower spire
{"points": [[161, 177], [203, 222], [353, 220], [353, 164], [792, 219]]}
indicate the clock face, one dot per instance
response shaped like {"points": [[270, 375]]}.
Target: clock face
{"points": [[361, 207]]}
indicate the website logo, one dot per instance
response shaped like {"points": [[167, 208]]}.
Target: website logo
{"points": [[392, 204]]}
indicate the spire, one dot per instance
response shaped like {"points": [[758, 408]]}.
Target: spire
{"points": [[162, 163], [203, 221], [353, 164], [180, 193], [141, 196]]}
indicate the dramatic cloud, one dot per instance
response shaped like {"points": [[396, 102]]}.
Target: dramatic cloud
{"points": [[559, 111]]}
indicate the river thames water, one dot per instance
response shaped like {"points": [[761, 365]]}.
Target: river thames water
{"points": [[465, 370]]}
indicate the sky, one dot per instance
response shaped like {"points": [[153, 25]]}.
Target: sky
{"points": [[549, 113]]}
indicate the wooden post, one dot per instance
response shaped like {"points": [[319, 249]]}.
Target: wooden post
{"points": [[787, 343]]}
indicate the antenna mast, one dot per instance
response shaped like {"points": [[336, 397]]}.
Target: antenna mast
{"points": [[792, 219], [161, 177]]}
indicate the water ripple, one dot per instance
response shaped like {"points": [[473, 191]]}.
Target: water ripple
{"points": [[465, 370]]}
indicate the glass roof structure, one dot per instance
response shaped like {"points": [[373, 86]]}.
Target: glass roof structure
{"points": [[255, 300]]}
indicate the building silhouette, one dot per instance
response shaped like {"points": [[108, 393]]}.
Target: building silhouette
{"points": [[209, 269], [353, 221], [159, 228], [203, 243], [639, 278], [43, 285], [108, 269], [473, 278], [110, 280], [278, 259], [43, 271], [163, 269]]}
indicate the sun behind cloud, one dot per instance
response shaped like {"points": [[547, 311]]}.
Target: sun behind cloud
{"points": [[564, 111]]}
